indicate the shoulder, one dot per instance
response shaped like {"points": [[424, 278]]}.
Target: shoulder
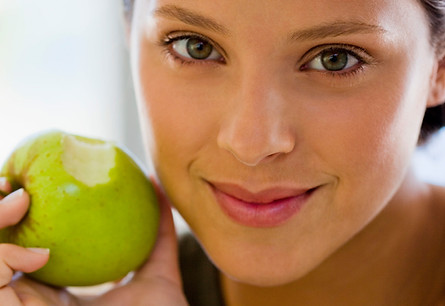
{"points": [[436, 214], [436, 217], [437, 203]]}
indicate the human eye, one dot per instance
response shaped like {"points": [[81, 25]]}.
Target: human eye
{"points": [[191, 48], [336, 60]]}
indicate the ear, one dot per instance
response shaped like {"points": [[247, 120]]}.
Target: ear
{"points": [[437, 92]]}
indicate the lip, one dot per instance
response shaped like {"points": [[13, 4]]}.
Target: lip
{"points": [[269, 207]]}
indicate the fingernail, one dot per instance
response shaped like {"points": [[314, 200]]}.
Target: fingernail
{"points": [[43, 251], [16, 194], [3, 183]]}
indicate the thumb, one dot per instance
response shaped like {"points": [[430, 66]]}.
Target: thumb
{"points": [[163, 261]]}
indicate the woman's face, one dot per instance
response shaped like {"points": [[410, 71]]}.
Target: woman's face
{"points": [[279, 129]]}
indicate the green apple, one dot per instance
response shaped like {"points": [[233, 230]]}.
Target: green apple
{"points": [[91, 205]]}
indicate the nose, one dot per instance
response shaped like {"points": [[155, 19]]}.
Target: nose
{"points": [[256, 128]]}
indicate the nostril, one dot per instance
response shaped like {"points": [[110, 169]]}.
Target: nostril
{"points": [[253, 134], [254, 159], [251, 149], [271, 156]]}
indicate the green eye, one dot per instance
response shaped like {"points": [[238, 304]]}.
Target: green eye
{"points": [[195, 48], [333, 60], [198, 49]]}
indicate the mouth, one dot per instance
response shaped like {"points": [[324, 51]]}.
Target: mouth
{"points": [[269, 207]]}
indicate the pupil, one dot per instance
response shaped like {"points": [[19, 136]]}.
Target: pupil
{"points": [[199, 49], [334, 60]]}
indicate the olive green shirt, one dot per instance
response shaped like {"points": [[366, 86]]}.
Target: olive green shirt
{"points": [[200, 277]]}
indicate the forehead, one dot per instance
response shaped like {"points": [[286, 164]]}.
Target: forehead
{"points": [[267, 13], [253, 19]]}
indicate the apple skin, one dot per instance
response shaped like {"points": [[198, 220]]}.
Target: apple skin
{"points": [[97, 230]]}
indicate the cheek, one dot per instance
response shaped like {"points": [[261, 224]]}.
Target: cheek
{"points": [[370, 137], [172, 111], [180, 119], [373, 128]]}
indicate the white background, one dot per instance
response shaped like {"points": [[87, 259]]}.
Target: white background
{"points": [[64, 65]]}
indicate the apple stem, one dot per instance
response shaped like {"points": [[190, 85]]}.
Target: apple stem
{"points": [[3, 194]]}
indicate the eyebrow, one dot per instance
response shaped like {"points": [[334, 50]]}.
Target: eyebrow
{"points": [[334, 29], [191, 18]]}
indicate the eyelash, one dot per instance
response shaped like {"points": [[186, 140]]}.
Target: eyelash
{"points": [[363, 60], [167, 41]]}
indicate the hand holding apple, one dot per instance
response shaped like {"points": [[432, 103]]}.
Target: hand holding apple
{"points": [[14, 258], [157, 282], [91, 205]]}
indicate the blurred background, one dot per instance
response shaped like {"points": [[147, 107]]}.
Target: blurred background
{"points": [[64, 65]]}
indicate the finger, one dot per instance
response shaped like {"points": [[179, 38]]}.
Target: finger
{"points": [[5, 187], [13, 207], [163, 261], [9, 297], [16, 258], [33, 293]]}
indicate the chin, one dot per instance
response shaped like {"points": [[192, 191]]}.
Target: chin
{"points": [[270, 278], [265, 269]]}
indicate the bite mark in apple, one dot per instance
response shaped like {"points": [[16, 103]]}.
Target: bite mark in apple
{"points": [[88, 161]]}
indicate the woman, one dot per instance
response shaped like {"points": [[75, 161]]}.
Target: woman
{"points": [[283, 133]]}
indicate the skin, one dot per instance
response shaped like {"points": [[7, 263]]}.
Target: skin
{"points": [[261, 125], [371, 234]]}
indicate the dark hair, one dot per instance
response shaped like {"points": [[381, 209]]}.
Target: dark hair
{"points": [[434, 117]]}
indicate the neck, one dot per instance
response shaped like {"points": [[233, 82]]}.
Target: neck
{"points": [[384, 264]]}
